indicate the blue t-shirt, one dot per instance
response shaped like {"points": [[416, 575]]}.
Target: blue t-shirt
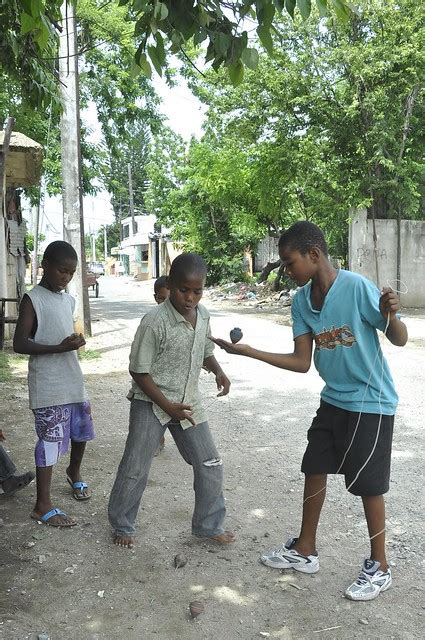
{"points": [[347, 352]]}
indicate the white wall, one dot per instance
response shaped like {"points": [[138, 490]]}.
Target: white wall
{"points": [[380, 263]]}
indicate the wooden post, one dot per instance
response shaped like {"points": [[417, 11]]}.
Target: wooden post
{"points": [[131, 199], [3, 251], [72, 197], [35, 251]]}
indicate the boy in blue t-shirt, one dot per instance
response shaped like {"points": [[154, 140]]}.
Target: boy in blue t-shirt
{"points": [[352, 431]]}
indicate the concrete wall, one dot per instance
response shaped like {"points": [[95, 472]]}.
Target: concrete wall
{"points": [[267, 251], [380, 263]]}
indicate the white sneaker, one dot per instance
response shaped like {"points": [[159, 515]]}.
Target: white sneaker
{"points": [[370, 582], [285, 557]]}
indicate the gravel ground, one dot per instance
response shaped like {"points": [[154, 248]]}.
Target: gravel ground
{"points": [[74, 584]]}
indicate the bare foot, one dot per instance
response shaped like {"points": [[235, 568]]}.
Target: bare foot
{"points": [[227, 537], [124, 541]]}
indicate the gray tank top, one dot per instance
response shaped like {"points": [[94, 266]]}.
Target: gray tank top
{"points": [[54, 378]]}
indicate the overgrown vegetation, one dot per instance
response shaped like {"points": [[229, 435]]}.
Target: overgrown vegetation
{"points": [[5, 369], [330, 123], [89, 354], [328, 118]]}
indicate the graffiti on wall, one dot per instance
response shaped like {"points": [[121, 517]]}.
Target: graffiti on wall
{"points": [[365, 254]]}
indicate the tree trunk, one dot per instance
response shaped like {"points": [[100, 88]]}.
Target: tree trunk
{"points": [[270, 266], [276, 283]]}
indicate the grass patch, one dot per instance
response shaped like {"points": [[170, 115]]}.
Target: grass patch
{"points": [[19, 357], [89, 354], [5, 370]]}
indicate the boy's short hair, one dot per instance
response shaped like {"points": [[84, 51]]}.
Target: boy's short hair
{"points": [[160, 283], [58, 251], [186, 264], [303, 236]]}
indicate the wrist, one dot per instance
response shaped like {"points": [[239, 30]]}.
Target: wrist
{"points": [[248, 351], [168, 407]]}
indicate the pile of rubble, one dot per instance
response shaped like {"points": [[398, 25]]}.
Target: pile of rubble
{"points": [[254, 295]]}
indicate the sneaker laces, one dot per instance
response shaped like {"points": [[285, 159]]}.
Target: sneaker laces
{"points": [[285, 546], [279, 549], [364, 578]]}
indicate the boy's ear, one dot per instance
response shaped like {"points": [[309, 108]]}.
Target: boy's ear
{"points": [[315, 253]]}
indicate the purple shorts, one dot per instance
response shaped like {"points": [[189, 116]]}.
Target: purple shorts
{"points": [[56, 426]]}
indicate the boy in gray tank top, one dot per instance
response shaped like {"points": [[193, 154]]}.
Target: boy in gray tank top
{"points": [[57, 397]]}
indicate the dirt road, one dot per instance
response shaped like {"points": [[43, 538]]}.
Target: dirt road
{"points": [[74, 584]]}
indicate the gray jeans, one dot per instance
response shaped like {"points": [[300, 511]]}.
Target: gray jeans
{"points": [[7, 468], [197, 448]]}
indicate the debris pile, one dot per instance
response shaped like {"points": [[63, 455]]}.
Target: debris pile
{"points": [[254, 295]]}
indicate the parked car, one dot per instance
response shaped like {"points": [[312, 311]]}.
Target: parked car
{"points": [[97, 268]]}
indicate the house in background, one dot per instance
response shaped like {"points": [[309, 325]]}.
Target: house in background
{"points": [[146, 253], [20, 166], [133, 251]]}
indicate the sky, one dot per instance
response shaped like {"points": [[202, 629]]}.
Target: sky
{"points": [[185, 116]]}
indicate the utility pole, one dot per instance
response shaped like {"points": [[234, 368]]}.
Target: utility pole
{"points": [[36, 213], [72, 197], [105, 243], [131, 199], [3, 217], [93, 246]]}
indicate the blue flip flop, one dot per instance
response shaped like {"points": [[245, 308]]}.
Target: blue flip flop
{"points": [[46, 517], [78, 489]]}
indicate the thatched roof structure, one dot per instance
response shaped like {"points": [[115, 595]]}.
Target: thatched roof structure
{"points": [[23, 161]]}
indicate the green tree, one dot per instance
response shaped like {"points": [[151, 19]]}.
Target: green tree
{"points": [[126, 103], [29, 33], [42, 125], [127, 108], [331, 122]]}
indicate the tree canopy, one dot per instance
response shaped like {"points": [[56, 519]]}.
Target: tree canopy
{"points": [[29, 31], [328, 118], [331, 122]]}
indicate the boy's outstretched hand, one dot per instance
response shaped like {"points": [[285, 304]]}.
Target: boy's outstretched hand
{"points": [[223, 384], [237, 349], [73, 342], [389, 302]]}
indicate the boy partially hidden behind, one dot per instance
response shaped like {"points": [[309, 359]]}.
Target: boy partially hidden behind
{"points": [[160, 289], [339, 312], [168, 351]]}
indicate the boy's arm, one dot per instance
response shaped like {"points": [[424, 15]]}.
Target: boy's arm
{"points": [[176, 410], [223, 382], [23, 342], [389, 304], [298, 361]]}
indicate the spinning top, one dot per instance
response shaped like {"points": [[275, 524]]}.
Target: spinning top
{"points": [[196, 608], [180, 560], [236, 335]]}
